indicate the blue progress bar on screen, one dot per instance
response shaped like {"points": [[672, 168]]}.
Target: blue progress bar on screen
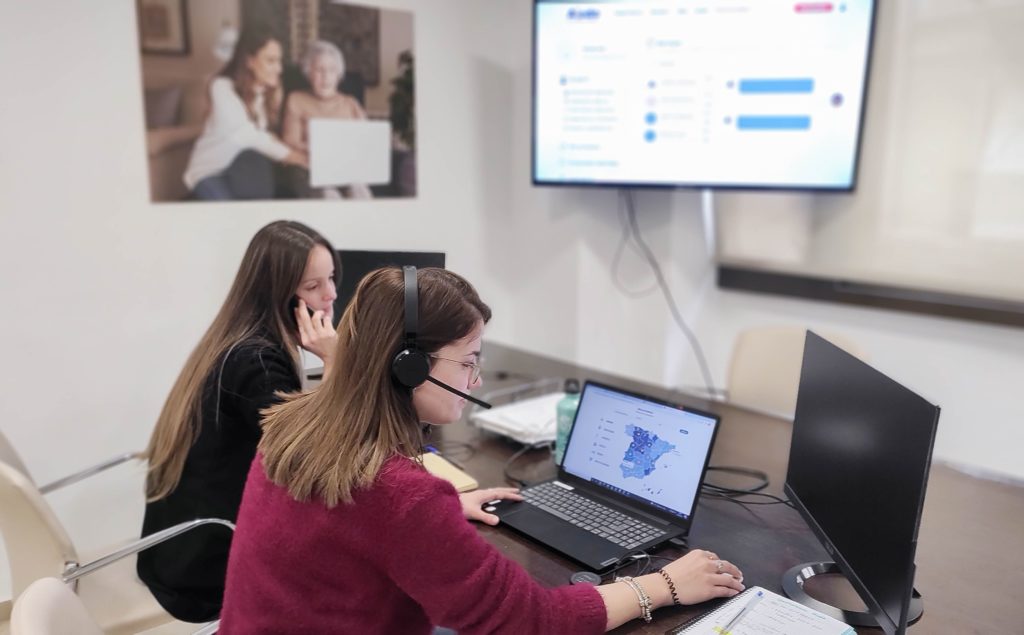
{"points": [[773, 122], [783, 85]]}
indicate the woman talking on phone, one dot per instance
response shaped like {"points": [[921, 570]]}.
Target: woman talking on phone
{"points": [[205, 437]]}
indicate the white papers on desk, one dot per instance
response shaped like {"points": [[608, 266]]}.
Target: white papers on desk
{"points": [[530, 421], [773, 615]]}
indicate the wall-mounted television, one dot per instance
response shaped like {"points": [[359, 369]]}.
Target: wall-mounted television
{"points": [[765, 94]]}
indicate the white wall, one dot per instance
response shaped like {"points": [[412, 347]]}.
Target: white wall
{"points": [[105, 293]]}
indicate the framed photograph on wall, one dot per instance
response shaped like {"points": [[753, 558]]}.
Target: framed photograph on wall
{"points": [[163, 27], [339, 108]]}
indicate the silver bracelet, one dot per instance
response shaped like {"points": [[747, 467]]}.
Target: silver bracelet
{"points": [[641, 596]]}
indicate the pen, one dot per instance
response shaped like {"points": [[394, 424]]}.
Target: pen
{"points": [[739, 616]]}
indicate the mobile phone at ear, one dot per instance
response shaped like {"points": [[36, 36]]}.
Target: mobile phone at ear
{"points": [[294, 304]]}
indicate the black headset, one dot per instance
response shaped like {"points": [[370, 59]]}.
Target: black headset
{"points": [[411, 366]]}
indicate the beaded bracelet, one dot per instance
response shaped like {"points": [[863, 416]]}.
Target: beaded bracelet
{"points": [[641, 596], [671, 586]]}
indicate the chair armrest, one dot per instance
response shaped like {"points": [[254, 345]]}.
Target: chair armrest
{"points": [[89, 471], [75, 570]]}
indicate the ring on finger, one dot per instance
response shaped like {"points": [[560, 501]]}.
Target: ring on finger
{"points": [[718, 568]]}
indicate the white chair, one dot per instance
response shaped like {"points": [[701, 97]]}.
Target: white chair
{"points": [[764, 372], [49, 607], [10, 456], [38, 547]]}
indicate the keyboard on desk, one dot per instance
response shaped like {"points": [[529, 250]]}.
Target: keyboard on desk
{"points": [[590, 515]]}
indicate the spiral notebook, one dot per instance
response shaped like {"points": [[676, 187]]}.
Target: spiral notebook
{"points": [[772, 614]]}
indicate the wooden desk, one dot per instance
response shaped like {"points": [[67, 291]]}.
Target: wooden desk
{"points": [[970, 556]]}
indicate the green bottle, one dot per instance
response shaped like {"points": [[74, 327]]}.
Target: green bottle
{"points": [[566, 413]]}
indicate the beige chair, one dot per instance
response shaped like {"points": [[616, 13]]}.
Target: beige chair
{"points": [[10, 456], [38, 547], [49, 607], [764, 373]]}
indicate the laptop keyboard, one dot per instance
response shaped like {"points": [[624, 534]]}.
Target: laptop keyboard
{"points": [[589, 515]]}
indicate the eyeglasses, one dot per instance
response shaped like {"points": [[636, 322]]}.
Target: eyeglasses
{"points": [[474, 369]]}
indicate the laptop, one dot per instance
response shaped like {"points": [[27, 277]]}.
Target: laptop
{"points": [[629, 480], [349, 152]]}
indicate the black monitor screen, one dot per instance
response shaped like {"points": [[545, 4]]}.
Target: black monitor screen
{"points": [[356, 264], [858, 467]]}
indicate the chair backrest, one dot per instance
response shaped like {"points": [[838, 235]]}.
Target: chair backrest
{"points": [[10, 456], [37, 545], [50, 607], [764, 372]]}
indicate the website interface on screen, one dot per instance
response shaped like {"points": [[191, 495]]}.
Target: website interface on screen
{"points": [[759, 93], [640, 448]]}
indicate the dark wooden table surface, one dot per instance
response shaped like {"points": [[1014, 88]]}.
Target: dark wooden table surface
{"points": [[970, 556]]}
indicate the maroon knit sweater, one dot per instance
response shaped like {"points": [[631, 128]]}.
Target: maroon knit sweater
{"points": [[400, 558]]}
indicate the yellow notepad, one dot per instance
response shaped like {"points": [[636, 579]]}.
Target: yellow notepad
{"points": [[441, 468], [771, 614]]}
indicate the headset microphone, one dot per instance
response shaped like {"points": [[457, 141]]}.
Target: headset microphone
{"points": [[479, 402], [411, 366]]}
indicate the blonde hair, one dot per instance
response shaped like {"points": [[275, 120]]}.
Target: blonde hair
{"points": [[334, 440], [257, 306]]}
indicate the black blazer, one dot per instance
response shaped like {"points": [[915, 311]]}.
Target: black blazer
{"points": [[186, 574]]}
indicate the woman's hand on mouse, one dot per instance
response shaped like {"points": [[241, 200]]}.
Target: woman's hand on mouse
{"points": [[472, 502]]}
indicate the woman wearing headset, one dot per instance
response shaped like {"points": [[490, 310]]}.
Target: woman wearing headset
{"points": [[206, 435], [342, 530]]}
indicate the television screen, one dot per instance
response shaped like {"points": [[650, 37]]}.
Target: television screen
{"points": [[699, 93], [858, 471]]}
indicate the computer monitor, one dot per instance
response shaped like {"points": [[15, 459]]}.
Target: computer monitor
{"points": [[356, 264], [858, 470]]}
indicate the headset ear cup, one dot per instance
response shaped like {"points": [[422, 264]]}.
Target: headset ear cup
{"points": [[410, 367]]}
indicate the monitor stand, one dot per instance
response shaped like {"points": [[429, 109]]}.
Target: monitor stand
{"points": [[793, 586]]}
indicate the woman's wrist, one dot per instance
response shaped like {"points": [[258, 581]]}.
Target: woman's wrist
{"points": [[657, 589], [328, 361]]}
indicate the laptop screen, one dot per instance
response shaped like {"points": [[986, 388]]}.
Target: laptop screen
{"points": [[640, 447]]}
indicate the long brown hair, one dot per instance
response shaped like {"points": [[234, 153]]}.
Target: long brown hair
{"points": [[334, 440], [257, 307], [253, 38]]}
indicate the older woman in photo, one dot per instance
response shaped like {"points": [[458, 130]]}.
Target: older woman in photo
{"points": [[324, 67]]}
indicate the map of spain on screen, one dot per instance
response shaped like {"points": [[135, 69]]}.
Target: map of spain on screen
{"points": [[643, 452]]}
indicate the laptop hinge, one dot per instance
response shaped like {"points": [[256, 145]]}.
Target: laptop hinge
{"points": [[564, 486]]}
